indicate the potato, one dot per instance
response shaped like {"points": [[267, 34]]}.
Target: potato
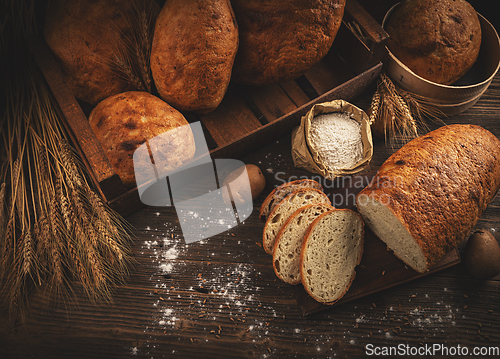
{"points": [[255, 177], [482, 255]]}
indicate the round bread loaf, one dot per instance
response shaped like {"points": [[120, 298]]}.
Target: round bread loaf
{"points": [[438, 40], [427, 197], [125, 121], [85, 36], [281, 40], [193, 51]]}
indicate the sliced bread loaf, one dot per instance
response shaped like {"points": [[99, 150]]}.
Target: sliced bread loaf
{"points": [[280, 192], [332, 248], [285, 208], [288, 242], [428, 196]]}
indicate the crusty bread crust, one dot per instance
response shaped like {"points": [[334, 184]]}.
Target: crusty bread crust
{"points": [[125, 121], [284, 209], [282, 191], [305, 244], [438, 185], [281, 40], [438, 40], [85, 36], [193, 51]]}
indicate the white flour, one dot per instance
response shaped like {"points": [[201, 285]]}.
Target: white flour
{"points": [[337, 139]]}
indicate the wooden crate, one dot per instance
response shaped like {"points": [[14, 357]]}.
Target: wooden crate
{"points": [[248, 117]]}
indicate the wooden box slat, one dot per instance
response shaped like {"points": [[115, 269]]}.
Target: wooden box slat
{"points": [[328, 74], [272, 101], [248, 117], [295, 93], [232, 119]]}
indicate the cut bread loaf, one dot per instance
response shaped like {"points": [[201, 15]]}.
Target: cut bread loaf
{"points": [[428, 196], [280, 192], [332, 248], [285, 208], [288, 242]]}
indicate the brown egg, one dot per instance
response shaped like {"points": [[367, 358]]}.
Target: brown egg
{"points": [[482, 255]]}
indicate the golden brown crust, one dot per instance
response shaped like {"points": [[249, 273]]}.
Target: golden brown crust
{"points": [[280, 192], [439, 184], [84, 36], [125, 121], [193, 51], [281, 40], [438, 40]]}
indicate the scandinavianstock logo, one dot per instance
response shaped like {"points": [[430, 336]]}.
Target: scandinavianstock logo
{"points": [[205, 207]]}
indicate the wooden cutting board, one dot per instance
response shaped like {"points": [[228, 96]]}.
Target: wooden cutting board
{"points": [[379, 268]]}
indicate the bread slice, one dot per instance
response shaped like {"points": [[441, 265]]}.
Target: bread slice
{"points": [[285, 208], [280, 192], [288, 243], [332, 248]]}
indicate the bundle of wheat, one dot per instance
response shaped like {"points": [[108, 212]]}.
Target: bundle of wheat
{"points": [[398, 115], [54, 228]]}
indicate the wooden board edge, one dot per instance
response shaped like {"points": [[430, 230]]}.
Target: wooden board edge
{"points": [[451, 259]]}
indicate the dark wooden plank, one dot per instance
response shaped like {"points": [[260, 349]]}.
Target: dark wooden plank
{"points": [[368, 44], [271, 101], [293, 90], [328, 74], [276, 129], [84, 138], [231, 120]]}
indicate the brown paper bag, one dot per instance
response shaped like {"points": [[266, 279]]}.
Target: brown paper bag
{"points": [[304, 156]]}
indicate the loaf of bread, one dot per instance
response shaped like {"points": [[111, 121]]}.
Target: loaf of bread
{"points": [[438, 40], [194, 47], [285, 208], [428, 196], [288, 242], [281, 40], [282, 191], [332, 248], [125, 121], [85, 37]]}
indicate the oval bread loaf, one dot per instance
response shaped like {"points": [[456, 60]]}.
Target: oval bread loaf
{"points": [[285, 208], [288, 243], [282, 191], [194, 47], [332, 248], [428, 196]]}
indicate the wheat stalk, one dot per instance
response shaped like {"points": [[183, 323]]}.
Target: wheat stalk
{"points": [[133, 50], [399, 113], [55, 228]]}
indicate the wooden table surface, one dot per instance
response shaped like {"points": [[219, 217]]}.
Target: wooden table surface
{"points": [[220, 298]]}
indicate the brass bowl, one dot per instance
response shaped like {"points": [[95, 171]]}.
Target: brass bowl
{"points": [[456, 98]]}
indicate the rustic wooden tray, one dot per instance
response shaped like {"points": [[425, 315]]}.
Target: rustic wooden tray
{"points": [[248, 117], [379, 269]]}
